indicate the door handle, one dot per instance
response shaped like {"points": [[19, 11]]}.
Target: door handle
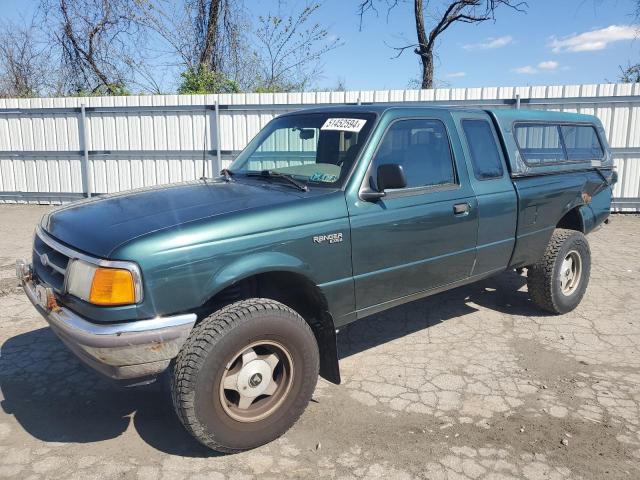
{"points": [[461, 209]]}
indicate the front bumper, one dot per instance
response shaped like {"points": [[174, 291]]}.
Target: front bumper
{"points": [[123, 351]]}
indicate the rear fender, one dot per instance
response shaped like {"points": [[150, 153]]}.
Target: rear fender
{"points": [[596, 210]]}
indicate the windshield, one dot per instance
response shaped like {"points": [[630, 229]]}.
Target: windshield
{"points": [[315, 148]]}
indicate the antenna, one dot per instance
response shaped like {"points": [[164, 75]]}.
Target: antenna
{"points": [[204, 145]]}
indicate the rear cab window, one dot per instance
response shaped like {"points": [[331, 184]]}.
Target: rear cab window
{"points": [[485, 156]]}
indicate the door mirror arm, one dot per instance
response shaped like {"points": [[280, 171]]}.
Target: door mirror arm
{"points": [[370, 195]]}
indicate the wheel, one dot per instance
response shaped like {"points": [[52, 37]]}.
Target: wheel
{"points": [[558, 281], [245, 375]]}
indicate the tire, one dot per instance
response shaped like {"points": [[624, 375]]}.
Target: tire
{"points": [[218, 352], [549, 286]]}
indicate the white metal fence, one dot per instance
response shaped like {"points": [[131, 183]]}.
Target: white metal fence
{"points": [[58, 149]]}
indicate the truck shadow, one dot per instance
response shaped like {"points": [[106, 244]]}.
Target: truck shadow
{"points": [[55, 399], [502, 294]]}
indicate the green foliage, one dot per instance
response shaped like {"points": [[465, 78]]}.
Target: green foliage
{"points": [[277, 87], [199, 80]]}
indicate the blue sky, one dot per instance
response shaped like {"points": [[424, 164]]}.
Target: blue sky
{"points": [[556, 42], [365, 62]]}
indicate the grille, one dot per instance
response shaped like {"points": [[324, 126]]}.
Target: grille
{"points": [[49, 265]]}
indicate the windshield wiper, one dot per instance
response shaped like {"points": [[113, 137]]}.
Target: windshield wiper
{"points": [[227, 174], [278, 175]]}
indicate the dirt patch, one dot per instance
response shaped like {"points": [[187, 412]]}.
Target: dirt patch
{"points": [[9, 286], [550, 368], [591, 450]]}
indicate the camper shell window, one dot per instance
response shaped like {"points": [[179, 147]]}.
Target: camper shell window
{"points": [[543, 144]]}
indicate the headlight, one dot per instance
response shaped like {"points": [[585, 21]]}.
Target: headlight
{"points": [[105, 286]]}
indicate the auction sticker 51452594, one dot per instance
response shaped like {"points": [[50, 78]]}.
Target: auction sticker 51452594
{"points": [[344, 124]]}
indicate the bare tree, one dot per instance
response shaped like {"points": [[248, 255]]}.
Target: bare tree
{"points": [[216, 31], [98, 43], [459, 11], [630, 73], [25, 63], [289, 50], [206, 35], [340, 85]]}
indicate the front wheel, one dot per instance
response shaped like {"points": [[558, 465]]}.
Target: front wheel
{"points": [[558, 281], [245, 375]]}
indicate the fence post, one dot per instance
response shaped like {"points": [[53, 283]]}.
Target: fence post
{"points": [[87, 185], [217, 168], [517, 101]]}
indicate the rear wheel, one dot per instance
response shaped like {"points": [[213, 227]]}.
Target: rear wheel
{"points": [[245, 375], [558, 281]]}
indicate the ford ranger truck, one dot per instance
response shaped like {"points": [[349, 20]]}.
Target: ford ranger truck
{"points": [[235, 286]]}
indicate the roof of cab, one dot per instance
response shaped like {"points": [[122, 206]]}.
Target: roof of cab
{"points": [[379, 108], [504, 115]]}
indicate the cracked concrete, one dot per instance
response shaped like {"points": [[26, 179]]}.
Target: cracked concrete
{"points": [[475, 383]]}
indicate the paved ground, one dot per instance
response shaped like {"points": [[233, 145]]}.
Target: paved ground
{"points": [[471, 384]]}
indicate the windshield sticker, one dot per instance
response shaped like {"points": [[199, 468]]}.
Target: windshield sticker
{"points": [[323, 177], [344, 124]]}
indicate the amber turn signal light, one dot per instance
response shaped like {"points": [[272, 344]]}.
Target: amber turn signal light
{"points": [[112, 286]]}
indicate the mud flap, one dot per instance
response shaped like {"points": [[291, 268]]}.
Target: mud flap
{"points": [[325, 333]]}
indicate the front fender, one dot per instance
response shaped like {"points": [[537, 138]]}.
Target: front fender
{"points": [[267, 262], [254, 264]]}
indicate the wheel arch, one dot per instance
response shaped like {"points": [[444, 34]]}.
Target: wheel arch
{"points": [[574, 219], [581, 219], [287, 282]]}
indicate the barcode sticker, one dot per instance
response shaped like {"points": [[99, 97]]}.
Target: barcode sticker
{"points": [[344, 124]]}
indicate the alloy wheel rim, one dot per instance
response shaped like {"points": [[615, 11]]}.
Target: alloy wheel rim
{"points": [[570, 273], [256, 381]]}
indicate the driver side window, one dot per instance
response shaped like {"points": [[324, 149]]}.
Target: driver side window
{"points": [[422, 148]]}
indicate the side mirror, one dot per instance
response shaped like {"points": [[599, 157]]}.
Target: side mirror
{"points": [[391, 176]]}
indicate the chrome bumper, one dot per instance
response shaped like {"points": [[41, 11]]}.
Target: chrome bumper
{"points": [[122, 351]]}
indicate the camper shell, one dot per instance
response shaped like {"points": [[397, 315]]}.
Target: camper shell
{"points": [[537, 131]]}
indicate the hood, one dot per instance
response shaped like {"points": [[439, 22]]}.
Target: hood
{"points": [[98, 226]]}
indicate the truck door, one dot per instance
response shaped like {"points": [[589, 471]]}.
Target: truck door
{"points": [[422, 236], [497, 202]]}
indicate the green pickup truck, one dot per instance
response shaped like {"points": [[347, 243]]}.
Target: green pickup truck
{"points": [[234, 287]]}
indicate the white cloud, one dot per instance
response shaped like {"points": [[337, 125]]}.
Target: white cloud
{"points": [[594, 39], [490, 43], [548, 65], [527, 70], [456, 75]]}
